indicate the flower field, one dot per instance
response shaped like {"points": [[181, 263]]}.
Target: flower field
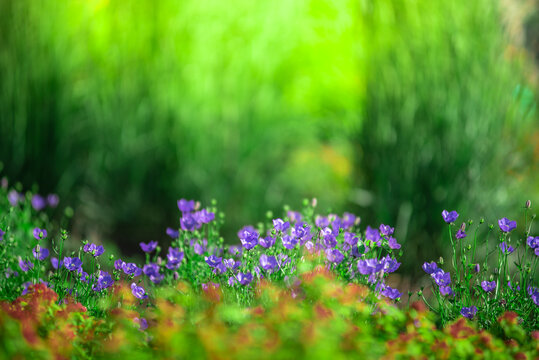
{"points": [[301, 285]]}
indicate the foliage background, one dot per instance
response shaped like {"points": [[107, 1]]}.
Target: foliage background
{"points": [[391, 109]]}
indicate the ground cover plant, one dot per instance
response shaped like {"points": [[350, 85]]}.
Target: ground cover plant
{"points": [[299, 285]]}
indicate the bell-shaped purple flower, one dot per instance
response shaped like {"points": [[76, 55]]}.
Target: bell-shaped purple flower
{"points": [[393, 244], [142, 322], [38, 202], [441, 278], [245, 278], [533, 242], [450, 216], [138, 291], [334, 256], [174, 257], [266, 242], [104, 280], [188, 222], [372, 235], [289, 242], [72, 263], [268, 263], [131, 269], [386, 230], [460, 234], [53, 200], [152, 272], [391, 293], [94, 249], [39, 233], [213, 260], [25, 265], [173, 233], [40, 253], [506, 225], [348, 220], [488, 286], [446, 291], [468, 312], [506, 249], [248, 237], [204, 216], [186, 206], [281, 225], [149, 247], [431, 267]]}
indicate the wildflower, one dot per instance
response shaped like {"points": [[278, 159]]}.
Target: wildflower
{"points": [[231, 281], [40, 233], [93, 249], [149, 247], [143, 324], [2, 233], [245, 278], [38, 202], [266, 242], [151, 270], [54, 263], [186, 206], [14, 197], [441, 278], [40, 253], [72, 264], [321, 221], [289, 242], [248, 237], [235, 249], [229, 263], [468, 312], [393, 244], [280, 225], [431, 267], [25, 286], [173, 233], [391, 293], [334, 256], [348, 220], [460, 234], [506, 249], [450, 216], [446, 291], [301, 232], [488, 286], [294, 216], [389, 264], [25, 265], [174, 257], [268, 263], [53, 200], [188, 222], [533, 242], [369, 266], [511, 287], [138, 291], [83, 275], [506, 225], [119, 264], [213, 260], [204, 216], [104, 280], [131, 269], [282, 260], [373, 235], [386, 230], [477, 268]]}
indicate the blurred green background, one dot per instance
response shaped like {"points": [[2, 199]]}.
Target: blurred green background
{"points": [[391, 109]]}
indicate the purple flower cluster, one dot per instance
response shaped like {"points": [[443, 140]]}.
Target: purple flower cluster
{"points": [[138, 291], [39, 202], [94, 249], [104, 280], [149, 247], [533, 243], [440, 277], [449, 216], [506, 249], [468, 312], [192, 220], [488, 286], [40, 253]]}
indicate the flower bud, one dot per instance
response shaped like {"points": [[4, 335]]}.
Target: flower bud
{"points": [[314, 202], [482, 221], [111, 257], [441, 260], [463, 227], [528, 204]]}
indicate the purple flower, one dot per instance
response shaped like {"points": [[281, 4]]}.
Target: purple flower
{"points": [[40, 233], [229, 263], [386, 230], [350, 238], [151, 270], [149, 247], [282, 260], [143, 324], [321, 221], [173, 233], [506, 249], [488, 286], [25, 286], [93, 249], [477, 268], [207, 286], [104, 280], [40, 253], [372, 235], [294, 216], [14, 197], [393, 244], [198, 249], [248, 237], [468, 312], [138, 291], [204, 216], [188, 222], [446, 291], [38, 202], [289, 242], [537, 251], [186, 206], [131, 269], [2, 233], [119, 264], [54, 262], [268, 263], [450, 216], [280, 225], [72, 264], [53, 200], [533, 242], [534, 294], [245, 278], [506, 225], [441, 278], [266, 242], [369, 266], [389, 264], [301, 231], [334, 256], [231, 281], [460, 234], [348, 220], [431, 267], [174, 257], [235, 249], [213, 260], [511, 287], [391, 293], [25, 265]]}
